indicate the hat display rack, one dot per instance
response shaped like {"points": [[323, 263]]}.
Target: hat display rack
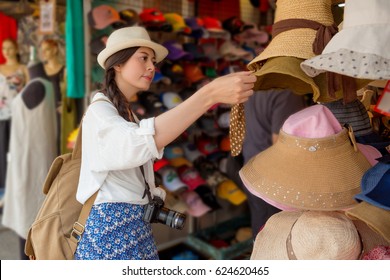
{"points": [[202, 44], [295, 173]]}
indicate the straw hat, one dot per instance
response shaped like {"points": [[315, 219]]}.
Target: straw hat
{"points": [[370, 238], [360, 49], [307, 235], [297, 42], [314, 165], [285, 72], [128, 37], [376, 218]]}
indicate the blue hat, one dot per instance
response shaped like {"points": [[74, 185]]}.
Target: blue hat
{"points": [[376, 186]]}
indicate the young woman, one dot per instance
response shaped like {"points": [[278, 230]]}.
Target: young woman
{"points": [[115, 144]]}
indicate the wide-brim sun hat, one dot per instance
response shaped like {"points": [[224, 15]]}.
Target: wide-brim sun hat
{"points": [[360, 49], [297, 42], [307, 235], [128, 37], [320, 169], [376, 218]]}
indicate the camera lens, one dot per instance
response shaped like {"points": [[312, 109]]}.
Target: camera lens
{"points": [[171, 218]]}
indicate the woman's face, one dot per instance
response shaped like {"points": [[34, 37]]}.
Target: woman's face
{"points": [[48, 51], [9, 50], [137, 73]]}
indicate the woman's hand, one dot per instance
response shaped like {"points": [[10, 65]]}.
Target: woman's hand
{"points": [[232, 88]]}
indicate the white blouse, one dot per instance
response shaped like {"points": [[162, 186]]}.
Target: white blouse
{"points": [[113, 150]]}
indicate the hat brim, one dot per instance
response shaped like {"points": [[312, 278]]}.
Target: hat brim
{"points": [[271, 246], [284, 72], [160, 51], [376, 218], [369, 237], [325, 179], [369, 58]]}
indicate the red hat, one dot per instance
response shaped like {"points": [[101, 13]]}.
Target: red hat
{"points": [[151, 15]]}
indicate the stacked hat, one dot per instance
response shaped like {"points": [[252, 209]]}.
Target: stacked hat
{"points": [[374, 206], [322, 164], [153, 20], [359, 50], [196, 25], [190, 176], [171, 180], [178, 23], [308, 235], [173, 71], [231, 51], [253, 37], [102, 16], [176, 51], [195, 205], [214, 27], [235, 25], [171, 99], [129, 16], [229, 191], [193, 72], [150, 101]]}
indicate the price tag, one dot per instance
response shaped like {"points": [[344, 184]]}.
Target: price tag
{"points": [[47, 16], [383, 104]]}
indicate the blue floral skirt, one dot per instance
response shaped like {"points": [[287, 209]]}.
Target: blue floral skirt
{"points": [[116, 231]]}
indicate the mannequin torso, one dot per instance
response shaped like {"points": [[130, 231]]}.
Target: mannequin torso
{"points": [[15, 72]]}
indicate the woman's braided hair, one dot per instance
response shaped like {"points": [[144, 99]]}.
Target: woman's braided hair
{"points": [[111, 89]]}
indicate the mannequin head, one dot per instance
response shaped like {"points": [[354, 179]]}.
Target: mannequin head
{"points": [[10, 50], [49, 49]]}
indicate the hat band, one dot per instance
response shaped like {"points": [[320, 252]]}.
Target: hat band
{"points": [[323, 35]]}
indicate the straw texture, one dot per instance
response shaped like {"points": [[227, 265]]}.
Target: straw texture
{"points": [[308, 174], [307, 235]]}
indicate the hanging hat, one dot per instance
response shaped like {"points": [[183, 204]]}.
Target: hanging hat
{"points": [[360, 49], [314, 165], [296, 25], [134, 36], [307, 235]]}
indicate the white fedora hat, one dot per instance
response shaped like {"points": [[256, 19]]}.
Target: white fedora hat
{"points": [[128, 37]]}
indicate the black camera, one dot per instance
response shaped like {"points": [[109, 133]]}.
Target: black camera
{"points": [[155, 212]]}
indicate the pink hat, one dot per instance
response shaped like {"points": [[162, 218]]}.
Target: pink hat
{"points": [[316, 164], [318, 121], [196, 206], [102, 16]]}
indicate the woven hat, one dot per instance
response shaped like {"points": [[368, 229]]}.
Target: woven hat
{"points": [[369, 237], [376, 218], [360, 49], [307, 235], [128, 37], [297, 42], [314, 165]]}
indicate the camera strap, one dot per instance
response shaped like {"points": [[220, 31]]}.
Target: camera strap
{"points": [[147, 188]]}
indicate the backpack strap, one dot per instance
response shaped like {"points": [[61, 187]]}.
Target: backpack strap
{"points": [[79, 225]]}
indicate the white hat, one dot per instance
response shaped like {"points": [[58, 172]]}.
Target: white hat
{"points": [[360, 49], [128, 37], [307, 235]]}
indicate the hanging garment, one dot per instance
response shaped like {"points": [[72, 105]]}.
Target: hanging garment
{"points": [[32, 150]]}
